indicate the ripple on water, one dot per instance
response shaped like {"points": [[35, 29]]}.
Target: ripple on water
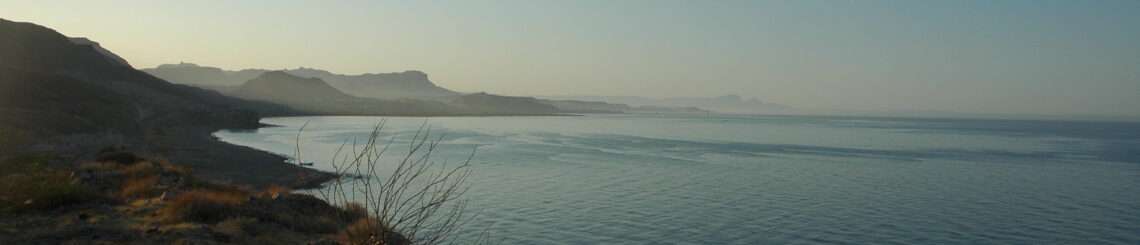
{"points": [[785, 180]]}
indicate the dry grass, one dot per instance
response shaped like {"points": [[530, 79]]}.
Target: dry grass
{"points": [[26, 184], [165, 165], [236, 214], [235, 227], [274, 191], [135, 180], [98, 166], [139, 186], [140, 169], [205, 206], [368, 231]]}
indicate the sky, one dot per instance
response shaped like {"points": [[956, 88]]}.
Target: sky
{"points": [[1036, 57]]}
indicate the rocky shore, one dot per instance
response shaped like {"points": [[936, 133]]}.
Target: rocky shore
{"points": [[123, 198]]}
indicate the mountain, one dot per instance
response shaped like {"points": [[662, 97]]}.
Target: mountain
{"points": [[35, 54], [315, 96], [669, 110], [415, 85], [401, 93], [400, 85], [397, 85], [578, 106], [410, 88], [281, 86], [484, 103], [71, 99], [191, 74], [106, 53]]}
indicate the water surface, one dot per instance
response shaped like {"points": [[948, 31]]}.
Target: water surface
{"points": [[771, 179]]}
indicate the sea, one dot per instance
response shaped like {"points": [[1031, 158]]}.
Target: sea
{"points": [[732, 179]]}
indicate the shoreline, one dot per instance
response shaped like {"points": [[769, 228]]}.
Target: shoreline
{"points": [[215, 160], [184, 153]]}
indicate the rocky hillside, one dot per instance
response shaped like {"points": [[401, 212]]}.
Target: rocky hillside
{"points": [[71, 99], [106, 53], [30, 53]]}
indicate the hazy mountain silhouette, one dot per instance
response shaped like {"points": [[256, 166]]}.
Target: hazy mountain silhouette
{"points": [[579, 106], [191, 74], [280, 86], [366, 94], [484, 103], [408, 87], [314, 96], [399, 85]]}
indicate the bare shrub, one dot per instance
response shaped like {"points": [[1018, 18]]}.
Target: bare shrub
{"points": [[355, 211], [416, 201]]}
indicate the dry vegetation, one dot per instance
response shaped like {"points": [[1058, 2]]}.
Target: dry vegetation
{"points": [[122, 197], [416, 201], [26, 184]]}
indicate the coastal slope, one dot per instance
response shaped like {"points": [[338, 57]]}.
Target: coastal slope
{"points": [[71, 99]]}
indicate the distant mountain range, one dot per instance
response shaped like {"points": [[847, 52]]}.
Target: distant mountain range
{"points": [[399, 85], [724, 104], [409, 89], [314, 95], [281, 86]]}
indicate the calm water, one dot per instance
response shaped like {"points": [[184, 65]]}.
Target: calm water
{"points": [[748, 180]]}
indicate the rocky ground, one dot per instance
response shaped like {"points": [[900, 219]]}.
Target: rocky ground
{"points": [[123, 198]]}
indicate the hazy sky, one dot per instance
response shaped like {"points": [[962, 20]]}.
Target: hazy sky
{"points": [[1038, 57]]}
